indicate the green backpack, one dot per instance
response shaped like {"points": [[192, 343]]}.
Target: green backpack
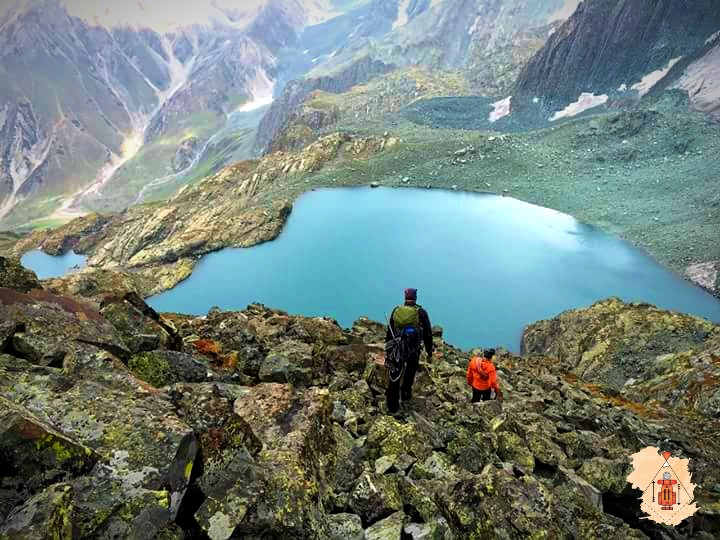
{"points": [[407, 319]]}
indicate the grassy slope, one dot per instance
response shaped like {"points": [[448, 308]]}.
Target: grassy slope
{"points": [[153, 161], [648, 176]]}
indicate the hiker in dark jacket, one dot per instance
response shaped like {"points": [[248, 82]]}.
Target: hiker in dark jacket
{"points": [[410, 320]]}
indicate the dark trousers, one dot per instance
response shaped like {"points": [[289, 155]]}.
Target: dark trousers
{"points": [[403, 385], [479, 395]]}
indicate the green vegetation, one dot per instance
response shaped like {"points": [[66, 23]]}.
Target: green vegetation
{"points": [[154, 161]]}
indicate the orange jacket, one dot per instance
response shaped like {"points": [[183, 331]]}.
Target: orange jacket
{"points": [[481, 374]]}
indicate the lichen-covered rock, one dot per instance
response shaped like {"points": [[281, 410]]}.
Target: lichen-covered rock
{"points": [[375, 497], [47, 329], [289, 364], [345, 527], [13, 275], [34, 455], [48, 514], [389, 436], [425, 531], [279, 485], [108, 505], [139, 332], [164, 368], [496, 503], [205, 405], [99, 404], [612, 342], [390, 528]]}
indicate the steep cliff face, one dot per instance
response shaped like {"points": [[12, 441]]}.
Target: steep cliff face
{"points": [[608, 46]]}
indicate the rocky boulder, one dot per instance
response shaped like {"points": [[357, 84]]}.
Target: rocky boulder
{"points": [[51, 330], [13, 275], [612, 342], [34, 455], [282, 457], [46, 515], [193, 443]]}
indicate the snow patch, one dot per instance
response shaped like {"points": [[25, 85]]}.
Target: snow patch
{"points": [[623, 88], [536, 100], [701, 81], [712, 38], [585, 101], [502, 109], [402, 18], [565, 12], [261, 89], [256, 103], [319, 11], [651, 79]]}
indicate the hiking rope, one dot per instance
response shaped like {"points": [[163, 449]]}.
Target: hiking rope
{"points": [[396, 353]]}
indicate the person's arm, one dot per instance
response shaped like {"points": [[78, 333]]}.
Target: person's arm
{"points": [[427, 331], [495, 385], [469, 374]]}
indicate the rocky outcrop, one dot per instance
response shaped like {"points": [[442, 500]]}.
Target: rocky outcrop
{"points": [[643, 353], [297, 92], [607, 44], [13, 275], [707, 275], [187, 151], [79, 236], [367, 102], [203, 443]]}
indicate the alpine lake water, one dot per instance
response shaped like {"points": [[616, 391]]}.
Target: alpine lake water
{"points": [[46, 266], [485, 266]]}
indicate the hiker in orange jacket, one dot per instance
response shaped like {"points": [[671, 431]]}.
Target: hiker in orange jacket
{"points": [[482, 377]]}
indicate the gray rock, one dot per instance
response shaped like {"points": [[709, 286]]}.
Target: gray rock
{"points": [[345, 527], [375, 496], [389, 528], [46, 515]]}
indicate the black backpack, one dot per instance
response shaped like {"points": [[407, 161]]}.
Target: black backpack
{"points": [[405, 343]]}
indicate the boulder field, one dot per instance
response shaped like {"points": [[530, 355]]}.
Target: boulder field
{"points": [[119, 422]]}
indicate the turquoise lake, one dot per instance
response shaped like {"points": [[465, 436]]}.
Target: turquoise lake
{"points": [[47, 266], [485, 266]]}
